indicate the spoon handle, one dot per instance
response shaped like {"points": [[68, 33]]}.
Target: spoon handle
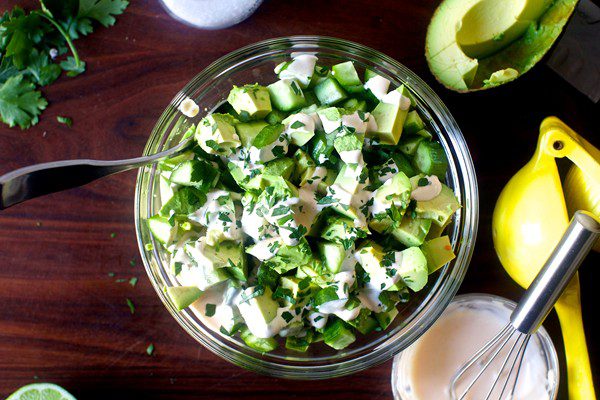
{"points": [[41, 179]]}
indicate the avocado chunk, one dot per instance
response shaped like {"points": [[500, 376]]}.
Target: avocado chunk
{"points": [[379, 265], [412, 231], [390, 201], [250, 101], [351, 177], [290, 257], [257, 306], [300, 127], [413, 268], [390, 122], [216, 134], [479, 44], [247, 131], [183, 296], [440, 208], [342, 230], [438, 252], [304, 163], [283, 167], [228, 254]]}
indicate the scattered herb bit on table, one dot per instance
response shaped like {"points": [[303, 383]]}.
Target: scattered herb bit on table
{"points": [[33, 48], [65, 120], [150, 349], [130, 305]]}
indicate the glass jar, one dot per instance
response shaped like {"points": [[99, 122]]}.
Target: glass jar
{"points": [[211, 14], [401, 370]]}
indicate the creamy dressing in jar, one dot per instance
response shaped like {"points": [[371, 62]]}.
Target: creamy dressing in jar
{"points": [[424, 370]]}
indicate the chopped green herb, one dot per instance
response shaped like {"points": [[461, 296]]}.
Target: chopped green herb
{"points": [[133, 281], [150, 349], [287, 316], [65, 120], [423, 182], [130, 305], [297, 125], [210, 310]]}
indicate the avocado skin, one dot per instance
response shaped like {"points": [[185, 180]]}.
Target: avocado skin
{"points": [[522, 55]]}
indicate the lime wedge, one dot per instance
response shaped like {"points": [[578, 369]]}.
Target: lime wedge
{"points": [[41, 391]]}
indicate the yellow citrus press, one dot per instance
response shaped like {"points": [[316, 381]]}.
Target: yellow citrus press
{"points": [[530, 217]]}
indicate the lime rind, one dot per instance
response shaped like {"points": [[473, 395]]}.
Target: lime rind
{"points": [[41, 391]]}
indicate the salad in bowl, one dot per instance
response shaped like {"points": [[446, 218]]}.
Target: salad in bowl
{"points": [[305, 211]]}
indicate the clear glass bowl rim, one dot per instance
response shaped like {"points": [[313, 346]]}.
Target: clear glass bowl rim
{"points": [[441, 294], [542, 334]]}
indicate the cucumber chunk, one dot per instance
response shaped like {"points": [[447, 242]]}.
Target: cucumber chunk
{"points": [[337, 334], [346, 74], [263, 345], [197, 173], [286, 95], [299, 344], [333, 255], [330, 92], [410, 144], [430, 159], [403, 164], [413, 123]]}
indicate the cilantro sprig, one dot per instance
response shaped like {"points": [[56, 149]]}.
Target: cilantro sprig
{"points": [[33, 47]]}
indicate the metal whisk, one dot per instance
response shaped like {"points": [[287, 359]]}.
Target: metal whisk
{"points": [[538, 300]]}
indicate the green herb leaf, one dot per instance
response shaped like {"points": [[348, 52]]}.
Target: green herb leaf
{"points": [[423, 182], [20, 103], [133, 281], [19, 34], [150, 349], [70, 65], [267, 135], [41, 70]]}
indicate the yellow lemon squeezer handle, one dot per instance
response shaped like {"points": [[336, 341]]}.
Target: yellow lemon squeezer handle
{"points": [[529, 220]]}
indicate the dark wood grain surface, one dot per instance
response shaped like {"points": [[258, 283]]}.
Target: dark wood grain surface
{"points": [[64, 319]]}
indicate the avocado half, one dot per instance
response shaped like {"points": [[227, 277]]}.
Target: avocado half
{"points": [[479, 44]]}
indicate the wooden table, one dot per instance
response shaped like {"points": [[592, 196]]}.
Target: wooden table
{"points": [[64, 319]]}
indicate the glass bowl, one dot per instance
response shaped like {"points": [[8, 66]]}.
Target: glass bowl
{"points": [[255, 63], [401, 381]]}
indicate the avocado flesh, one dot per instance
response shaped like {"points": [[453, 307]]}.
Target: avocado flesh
{"points": [[509, 45], [491, 25]]}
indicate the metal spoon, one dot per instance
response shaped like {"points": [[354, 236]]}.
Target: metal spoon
{"points": [[38, 180]]}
